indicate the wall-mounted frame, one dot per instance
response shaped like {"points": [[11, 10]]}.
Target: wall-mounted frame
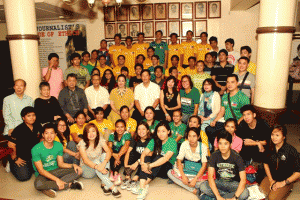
{"points": [[147, 28], [134, 29], [200, 10], [160, 11], [214, 9], [122, 13], [200, 26], [174, 10], [134, 13], [174, 27], [109, 14], [110, 30], [163, 27], [147, 12], [187, 10], [122, 28], [186, 26]]}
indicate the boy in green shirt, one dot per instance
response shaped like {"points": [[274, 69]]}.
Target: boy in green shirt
{"points": [[85, 61]]}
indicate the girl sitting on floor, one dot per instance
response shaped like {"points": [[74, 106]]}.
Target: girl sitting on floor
{"points": [[150, 118], [77, 128]]}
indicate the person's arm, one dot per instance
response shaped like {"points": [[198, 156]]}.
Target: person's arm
{"points": [[112, 60], [87, 84], [62, 164], [112, 105], [212, 183], [138, 106], [269, 175], [196, 109], [68, 151], [12, 145], [219, 116], [124, 149], [7, 116], [201, 171], [217, 83], [242, 184], [162, 104], [166, 59], [181, 59], [126, 159], [185, 180], [144, 154], [156, 102], [178, 103], [250, 142], [48, 74], [75, 137], [162, 160], [85, 158]]}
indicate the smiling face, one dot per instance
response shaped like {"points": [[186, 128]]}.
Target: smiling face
{"points": [[177, 117], [120, 128], [125, 114], [71, 82], [145, 77], [61, 126], [230, 127], [29, 118], [249, 116], [19, 87], [170, 83], [163, 133], [149, 114], [243, 65], [231, 84], [49, 135], [92, 134], [199, 67], [86, 57], [207, 87], [121, 82], [277, 137], [142, 131], [186, 83], [193, 122], [80, 120]]}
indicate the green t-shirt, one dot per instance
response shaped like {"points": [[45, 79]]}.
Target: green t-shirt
{"points": [[160, 50], [189, 100], [198, 80], [117, 145], [152, 128], [47, 156], [178, 130], [170, 145], [151, 69], [88, 67], [237, 101]]}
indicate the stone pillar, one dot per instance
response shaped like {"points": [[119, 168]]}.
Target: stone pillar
{"points": [[275, 32], [23, 43]]}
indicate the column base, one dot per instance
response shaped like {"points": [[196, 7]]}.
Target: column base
{"points": [[271, 116]]}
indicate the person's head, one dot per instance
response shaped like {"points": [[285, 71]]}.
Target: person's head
{"points": [[110, 28], [186, 82], [62, 130], [162, 132], [134, 27], [232, 82], [71, 80], [121, 81], [193, 135], [173, 71], [96, 80], [99, 113], [160, 8], [189, 35], [94, 54], [192, 61], [134, 11], [208, 58], [231, 125], [278, 135], [200, 7], [28, 115], [107, 75], [214, 55], [103, 44], [142, 131], [158, 71], [140, 59], [128, 40], [121, 60], [173, 38], [194, 121], [91, 134], [102, 60], [177, 116], [146, 76], [75, 59], [209, 85], [249, 113], [48, 132], [175, 60], [148, 27], [53, 58], [124, 112], [223, 55], [229, 44], [214, 7], [117, 38], [138, 68], [224, 139], [158, 34], [173, 8], [243, 63], [150, 51], [171, 84], [45, 89], [95, 71], [149, 113], [19, 86], [200, 66], [120, 128], [203, 37], [155, 60], [140, 37], [124, 71], [86, 56], [213, 41], [246, 51], [147, 10], [80, 118]]}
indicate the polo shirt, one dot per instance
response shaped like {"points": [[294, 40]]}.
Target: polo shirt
{"points": [[104, 126], [198, 80], [88, 67], [151, 69], [189, 100], [117, 71], [147, 95], [94, 64], [115, 51], [130, 60], [82, 73], [201, 50], [97, 98], [222, 73], [55, 81], [140, 49], [178, 131], [188, 49], [102, 69], [117, 145], [181, 72], [160, 49], [251, 68], [189, 71], [147, 63], [174, 49], [248, 84]]}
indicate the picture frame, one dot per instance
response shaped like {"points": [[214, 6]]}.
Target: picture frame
{"points": [[147, 28], [214, 9], [174, 10], [147, 12], [187, 10], [297, 24], [110, 30], [160, 11], [109, 14], [110, 43], [122, 13], [122, 28], [200, 26], [200, 10], [185, 26], [134, 29], [134, 13], [163, 27], [174, 27]]}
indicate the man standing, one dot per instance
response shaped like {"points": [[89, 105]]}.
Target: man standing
{"points": [[104, 51], [174, 48], [116, 50], [161, 48], [203, 47], [233, 56], [188, 49], [140, 47], [53, 75]]}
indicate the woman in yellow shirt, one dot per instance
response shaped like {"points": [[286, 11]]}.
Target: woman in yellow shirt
{"points": [[77, 128], [130, 123]]}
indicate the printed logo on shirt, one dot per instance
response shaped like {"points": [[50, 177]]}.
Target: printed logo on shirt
{"points": [[234, 104], [128, 128], [226, 170], [49, 158], [140, 149], [283, 157], [154, 47], [186, 101], [114, 50], [161, 47]]}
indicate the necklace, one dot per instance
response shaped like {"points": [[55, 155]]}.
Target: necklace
{"points": [[169, 96]]}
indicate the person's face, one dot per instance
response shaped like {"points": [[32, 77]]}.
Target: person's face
{"points": [[128, 42], [142, 131], [120, 128], [173, 8], [94, 55], [61, 126], [232, 83], [243, 65], [121, 82], [249, 116], [45, 91], [277, 137], [108, 75], [92, 134], [145, 77], [174, 62], [122, 29], [138, 70], [200, 67], [99, 116], [173, 39], [154, 61], [213, 44], [158, 73], [125, 114], [134, 28], [147, 10], [134, 11], [189, 35], [49, 135], [150, 52], [228, 46], [86, 58], [19, 87], [29, 118], [191, 62], [230, 127], [121, 60], [170, 83], [245, 53], [96, 81], [224, 146], [102, 61], [148, 28], [162, 133], [71, 82], [54, 61], [175, 73], [194, 123], [222, 57], [207, 87], [140, 60], [185, 83], [76, 61], [214, 8], [140, 38], [125, 73], [109, 29], [200, 7], [203, 38], [149, 114], [177, 117], [158, 35], [117, 40], [209, 58], [192, 137], [186, 8], [103, 45], [80, 120], [160, 9]]}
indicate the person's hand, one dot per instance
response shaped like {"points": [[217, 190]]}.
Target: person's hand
{"points": [[10, 131], [101, 168], [77, 169], [134, 166], [144, 167], [167, 107], [271, 183], [260, 147], [142, 113], [20, 162], [168, 118], [185, 180], [88, 117], [278, 185], [70, 118], [213, 123], [117, 162], [77, 156], [193, 182], [61, 184], [248, 141]]}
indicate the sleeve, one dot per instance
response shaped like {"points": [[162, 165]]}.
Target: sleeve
{"points": [[44, 71], [196, 96], [88, 76], [182, 151], [297, 161], [66, 74], [131, 82], [253, 80], [86, 91], [35, 154], [157, 92], [60, 149], [84, 100], [239, 144], [216, 105], [106, 97], [127, 136], [132, 143], [204, 153], [61, 100], [212, 160], [14, 135], [134, 124], [150, 145], [213, 71], [223, 99], [244, 100], [216, 143], [81, 144], [201, 108], [7, 115], [240, 163], [58, 110], [136, 93], [111, 137], [182, 129]]}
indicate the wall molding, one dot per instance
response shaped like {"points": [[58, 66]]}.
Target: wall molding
{"points": [[23, 37], [276, 29]]}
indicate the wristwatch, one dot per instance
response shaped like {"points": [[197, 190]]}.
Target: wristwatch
{"points": [[236, 197], [16, 159]]}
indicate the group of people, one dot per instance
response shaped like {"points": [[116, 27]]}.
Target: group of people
{"points": [[181, 112]]}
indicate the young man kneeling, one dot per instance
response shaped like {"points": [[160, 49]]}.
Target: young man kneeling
{"points": [[51, 171]]}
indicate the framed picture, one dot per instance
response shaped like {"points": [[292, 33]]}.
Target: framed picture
{"points": [[134, 13], [297, 24], [163, 27], [201, 10], [200, 26], [186, 10], [186, 26], [110, 43], [160, 11], [109, 14], [147, 12], [122, 13], [134, 29], [110, 30], [214, 9], [122, 28], [174, 27], [174, 10], [148, 29]]}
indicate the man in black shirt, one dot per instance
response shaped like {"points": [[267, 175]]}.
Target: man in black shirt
{"points": [[23, 138], [134, 81]]}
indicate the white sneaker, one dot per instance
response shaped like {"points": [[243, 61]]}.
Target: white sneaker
{"points": [[135, 190], [125, 184], [142, 194], [118, 180], [7, 168], [131, 185]]}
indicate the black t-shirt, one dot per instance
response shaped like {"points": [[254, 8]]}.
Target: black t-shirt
{"points": [[229, 169], [261, 132], [25, 139], [134, 80], [139, 146], [222, 73], [288, 160]]}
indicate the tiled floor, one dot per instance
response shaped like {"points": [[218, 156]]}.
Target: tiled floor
{"points": [[10, 188]]}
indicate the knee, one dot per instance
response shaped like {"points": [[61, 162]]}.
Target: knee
{"points": [[38, 184], [204, 187], [245, 194], [24, 178], [88, 175]]}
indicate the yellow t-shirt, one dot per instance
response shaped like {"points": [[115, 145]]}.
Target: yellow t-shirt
{"points": [[65, 141], [93, 64], [102, 69], [181, 72], [204, 139], [140, 49], [131, 125], [188, 49], [104, 126], [147, 63], [201, 50], [130, 60], [190, 71], [117, 71], [251, 68], [173, 50], [75, 129], [116, 51]]}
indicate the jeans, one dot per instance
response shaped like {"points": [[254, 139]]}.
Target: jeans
{"points": [[67, 157], [212, 132], [185, 118], [22, 173], [133, 157], [226, 189]]}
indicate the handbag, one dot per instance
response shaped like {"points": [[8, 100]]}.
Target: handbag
{"points": [[191, 167]]}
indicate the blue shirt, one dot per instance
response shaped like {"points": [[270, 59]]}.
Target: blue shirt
{"points": [[12, 107]]}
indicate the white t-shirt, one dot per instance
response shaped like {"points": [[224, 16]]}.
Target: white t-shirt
{"points": [[97, 98], [147, 95], [186, 152], [233, 57]]}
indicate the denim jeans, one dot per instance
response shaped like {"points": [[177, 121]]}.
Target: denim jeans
{"points": [[212, 132], [67, 157]]}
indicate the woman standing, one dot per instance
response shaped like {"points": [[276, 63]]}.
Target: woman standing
{"points": [[108, 80]]}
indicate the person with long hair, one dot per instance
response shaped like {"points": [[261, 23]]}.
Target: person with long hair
{"points": [[76, 129], [105, 126], [71, 154], [164, 149], [94, 161], [130, 123], [150, 118], [282, 166], [108, 80], [133, 155], [170, 98]]}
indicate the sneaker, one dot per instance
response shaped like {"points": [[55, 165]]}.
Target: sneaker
{"points": [[50, 193], [106, 190], [170, 181], [142, 194], [118, 180], [131, 185], [115, 192], [135, 190], [125, 184], [76, 185], [7, 168], [112, 177]]}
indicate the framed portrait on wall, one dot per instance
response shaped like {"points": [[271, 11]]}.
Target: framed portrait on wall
{"points": [[110, 30], [200, 26], [201, 10], [134, 29], [109, 14], [174, 27], [134, 13], [148, 29], [186, 26], [147, 12], [174, 10], [187, 10], [160, 11], [214, 9], [122, 28], [163, 27], [122, 13]]}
